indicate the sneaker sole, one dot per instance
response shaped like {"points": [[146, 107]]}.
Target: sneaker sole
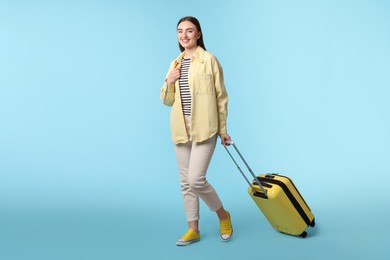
{"points": [[186, 243]]}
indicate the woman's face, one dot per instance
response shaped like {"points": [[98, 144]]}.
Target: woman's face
{"points": [[188, 35]]}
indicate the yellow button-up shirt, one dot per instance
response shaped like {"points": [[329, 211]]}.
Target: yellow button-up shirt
{"points": [[209, 99]]}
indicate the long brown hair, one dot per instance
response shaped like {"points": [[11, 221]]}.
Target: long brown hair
{"points": [[197, 24]]}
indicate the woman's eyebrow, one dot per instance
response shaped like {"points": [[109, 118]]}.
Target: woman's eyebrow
{"points": [[181, 29]]}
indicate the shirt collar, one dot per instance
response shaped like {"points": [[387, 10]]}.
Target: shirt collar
{"points": [[198, 55]]}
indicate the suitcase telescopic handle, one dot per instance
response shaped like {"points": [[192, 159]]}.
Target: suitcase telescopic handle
{"points": [[247, 166]]}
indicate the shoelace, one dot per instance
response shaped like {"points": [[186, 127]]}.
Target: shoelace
{"points": [[225, 226]]}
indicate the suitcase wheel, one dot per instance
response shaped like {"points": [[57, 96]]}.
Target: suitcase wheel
{"points": [[313, 223], [304, 234]]}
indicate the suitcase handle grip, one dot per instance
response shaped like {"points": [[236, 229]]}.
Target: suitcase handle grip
{"points": [[247, 166]]}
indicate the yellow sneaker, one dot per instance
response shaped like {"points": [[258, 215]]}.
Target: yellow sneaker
{"points": [[189, 237], [226, 229]]}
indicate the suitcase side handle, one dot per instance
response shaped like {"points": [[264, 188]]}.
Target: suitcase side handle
{"points": [[247, 166]]}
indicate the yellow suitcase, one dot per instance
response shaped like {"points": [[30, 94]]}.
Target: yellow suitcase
{"points": [[279, 200]]}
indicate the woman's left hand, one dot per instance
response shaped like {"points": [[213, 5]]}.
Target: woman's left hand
{"points": [[225, 138]]}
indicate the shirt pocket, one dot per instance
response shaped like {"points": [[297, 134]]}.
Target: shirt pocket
{"points": [[204, 84]]}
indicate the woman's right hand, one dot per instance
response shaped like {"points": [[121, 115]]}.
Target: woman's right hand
{"points": [[173, 76], [226, 139]]}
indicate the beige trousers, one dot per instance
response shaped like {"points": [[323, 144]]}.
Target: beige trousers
{"points": [[193, 160]]}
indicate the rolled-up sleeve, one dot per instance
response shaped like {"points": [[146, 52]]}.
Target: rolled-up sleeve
{"points": [[167, 94]]}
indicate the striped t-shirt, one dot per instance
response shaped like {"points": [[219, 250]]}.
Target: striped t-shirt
{"points": [[184, 87]]}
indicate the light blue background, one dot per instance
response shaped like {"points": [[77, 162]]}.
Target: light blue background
{"points": [[87, 169]]}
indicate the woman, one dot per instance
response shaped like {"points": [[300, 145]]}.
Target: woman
{"points": [[195, 89]]}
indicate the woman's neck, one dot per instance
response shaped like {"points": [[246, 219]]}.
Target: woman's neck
{"points": [[189, 52]]}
